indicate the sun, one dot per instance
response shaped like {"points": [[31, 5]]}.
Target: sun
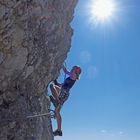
{"points": [[102, 10]]}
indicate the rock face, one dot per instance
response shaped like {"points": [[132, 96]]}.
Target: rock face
{"points": [[35, 36]]}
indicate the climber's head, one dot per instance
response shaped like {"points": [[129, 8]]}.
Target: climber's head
{"points": [[77, 70]]}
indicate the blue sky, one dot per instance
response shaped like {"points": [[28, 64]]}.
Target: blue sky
{"points": [[104, 104]]}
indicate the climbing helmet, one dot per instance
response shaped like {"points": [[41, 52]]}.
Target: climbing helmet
{"points": [[77, 69]]}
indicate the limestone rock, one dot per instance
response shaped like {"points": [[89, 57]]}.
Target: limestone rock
{"points": [[35, 37]]}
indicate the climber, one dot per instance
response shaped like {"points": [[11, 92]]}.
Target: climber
{"points": [[60, 93]]}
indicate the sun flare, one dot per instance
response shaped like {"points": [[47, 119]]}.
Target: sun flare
{"points": [[102, 10]]}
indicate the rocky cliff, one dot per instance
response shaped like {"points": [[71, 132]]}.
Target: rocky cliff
{"points": [[35, 37]]}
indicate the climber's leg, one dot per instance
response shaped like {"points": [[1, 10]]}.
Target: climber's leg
{"points": [[58, 117], [59, 121], [55, 90], [58, 89]]}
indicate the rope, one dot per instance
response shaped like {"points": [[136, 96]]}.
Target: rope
{"points": [[52, 115], [39, 115]]}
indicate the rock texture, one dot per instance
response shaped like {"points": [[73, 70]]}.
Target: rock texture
{"points": [[35, 36]]}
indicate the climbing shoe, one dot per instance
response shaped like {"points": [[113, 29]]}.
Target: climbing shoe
{"points": [[57, 133], [55, 103]]}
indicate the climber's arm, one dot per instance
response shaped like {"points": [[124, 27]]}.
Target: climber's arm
{"points": [[66, 71], [71, 74]]}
